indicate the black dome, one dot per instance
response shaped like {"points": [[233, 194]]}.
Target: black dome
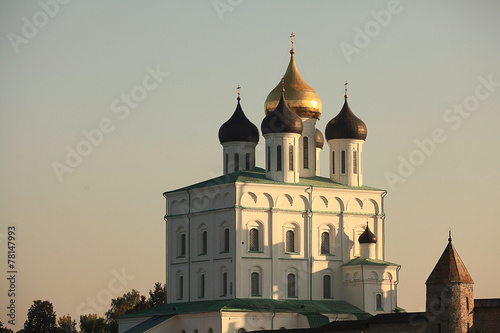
{"points": [[282, 120], [346, 126], [320, 140], [238, 128], [367, 236]]}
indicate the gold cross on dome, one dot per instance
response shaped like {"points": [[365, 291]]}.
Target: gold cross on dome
{"points": [[291, 36]]}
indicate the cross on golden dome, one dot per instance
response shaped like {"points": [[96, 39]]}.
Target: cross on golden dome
{"points": [[291, 37]]}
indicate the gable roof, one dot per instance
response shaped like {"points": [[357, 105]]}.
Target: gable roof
{"points": [[368, 261], [258, 176], [449, 268]]}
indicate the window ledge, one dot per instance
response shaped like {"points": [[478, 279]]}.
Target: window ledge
{"points": [[255, 251], [224, 252], [292, 253]]}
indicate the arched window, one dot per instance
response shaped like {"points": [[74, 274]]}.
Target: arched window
{"points": [[204, 242], [327, 286], [333, 162], [306, 152], [290, 158], [254, 239], [236, 162], [195, 331], [201, 293], [210, 330], [224, 284], [290, 241], [343, 161], [226, 240], [278, 158], [268, 159], [378, 301], [354, 163], [182, 250], [180, 289], [247, 161], [255, 284], [226, 163], [325, 243], [291, 285]]}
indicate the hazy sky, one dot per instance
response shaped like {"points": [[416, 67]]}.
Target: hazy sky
{"points": [[423, 75]]}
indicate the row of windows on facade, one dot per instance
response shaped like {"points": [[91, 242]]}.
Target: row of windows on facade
{"points": [[343, 162], [254, 245], [255, 286], [249, 162], [279, 159]]}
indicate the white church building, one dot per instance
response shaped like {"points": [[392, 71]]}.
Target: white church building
{"points": [[279, 246]]}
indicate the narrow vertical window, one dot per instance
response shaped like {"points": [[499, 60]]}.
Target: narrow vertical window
{"points": [[268, 160], [343, 161], [226, 240], [467, 301], [290, 241], [333, 162], [224, 284], [327, 286], [226, 163], [278, 158], [354, 162], [290, 158], [202, 286], [204, 242], [306, 152], [247, 161], [291, 285], [180, 290], [254, 281], [378, 301], [236, 162], [183, 245], [325, 243], [254, 239]]}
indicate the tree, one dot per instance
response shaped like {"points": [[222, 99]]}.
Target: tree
{"points": [[4, 329], [158, 295], [41, 318], [129, 302], [91, 323], [66, 324]]}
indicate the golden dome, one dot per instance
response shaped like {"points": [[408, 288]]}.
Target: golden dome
{"points": [[300, 97]]}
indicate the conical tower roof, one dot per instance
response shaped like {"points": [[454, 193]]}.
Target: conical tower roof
{"points": [[300, 97], [449, 268]]}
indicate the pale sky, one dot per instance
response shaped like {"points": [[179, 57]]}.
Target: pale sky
{"points": [[414, 68]]}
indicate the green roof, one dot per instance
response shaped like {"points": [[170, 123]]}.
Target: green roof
{"points": [[148, 324], [368, 261], [305, 307], [258, 176]]}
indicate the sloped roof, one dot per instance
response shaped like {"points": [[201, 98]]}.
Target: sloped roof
{"points": [[305, 307], [148, 324], [449, 268], [368, 261], [258, 176]]}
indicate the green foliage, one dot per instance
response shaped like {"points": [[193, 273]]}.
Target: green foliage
{"points": [[158, 295], [133, 302], [41, 318], [91, 323], [66, 324]]}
